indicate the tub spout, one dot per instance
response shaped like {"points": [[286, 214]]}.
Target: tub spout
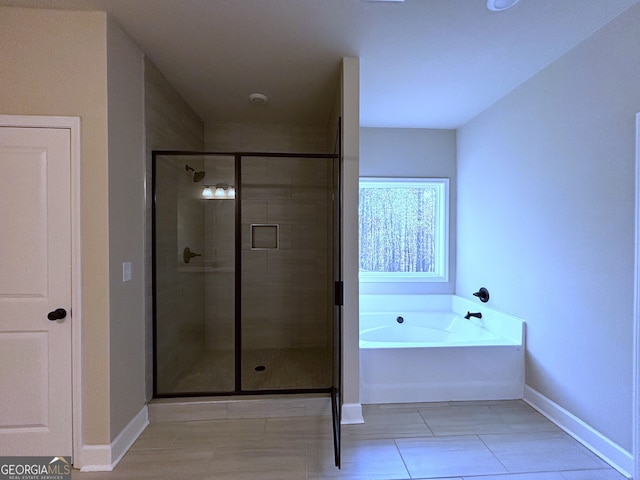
{"points": [[469, 315]]}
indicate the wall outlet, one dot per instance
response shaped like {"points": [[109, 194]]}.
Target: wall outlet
{"points": [[126, 271]]}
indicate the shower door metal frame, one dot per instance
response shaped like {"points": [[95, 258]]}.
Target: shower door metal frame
{"points": [[338, 299], [336, 163]]}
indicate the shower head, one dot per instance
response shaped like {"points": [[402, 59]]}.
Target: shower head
{"points": [[197, 176]]}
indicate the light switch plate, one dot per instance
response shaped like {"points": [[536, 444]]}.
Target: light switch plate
{"points": [[126, 271]]}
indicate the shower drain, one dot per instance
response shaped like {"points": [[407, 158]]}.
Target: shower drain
{"points": [[260, 368]]}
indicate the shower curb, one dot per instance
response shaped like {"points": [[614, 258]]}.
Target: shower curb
{"points": [[225, 408]]}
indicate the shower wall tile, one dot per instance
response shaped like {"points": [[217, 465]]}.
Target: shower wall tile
{"points": [[170, 124], [256, 137], [272, 334], [254, 170], [256, 299], [180, 317], [317, 193], [253, 211], [222, 137], [308, 139], [286, 294], [297, 237], [219, 169], [299, 212], [300, 172], [220, 311], [274, 191], [255, 268], [248, 137], [286, 300], [300, 266], [219, 235]]}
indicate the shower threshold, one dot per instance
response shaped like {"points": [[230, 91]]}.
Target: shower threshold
{"points": [[239, 406]]}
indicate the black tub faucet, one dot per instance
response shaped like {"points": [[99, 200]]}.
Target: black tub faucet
{"points": [[482, 294], [469, 315]]}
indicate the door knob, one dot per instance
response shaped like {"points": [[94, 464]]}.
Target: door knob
{"points": [[57, 314]]}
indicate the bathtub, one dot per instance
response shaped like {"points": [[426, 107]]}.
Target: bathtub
{"points": [[432, 353]]}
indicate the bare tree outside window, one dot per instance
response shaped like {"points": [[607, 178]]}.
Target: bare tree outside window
{"points": [[403, 228]]}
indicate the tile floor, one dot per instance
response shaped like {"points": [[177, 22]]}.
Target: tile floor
{"points": [[505, 440]]}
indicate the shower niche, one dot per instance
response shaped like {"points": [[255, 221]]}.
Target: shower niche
{"points": [[244, 268]]}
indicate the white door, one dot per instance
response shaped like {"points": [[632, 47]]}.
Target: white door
{"points": [[35, 279]]}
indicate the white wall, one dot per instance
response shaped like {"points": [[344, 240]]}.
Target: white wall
{"points": [[350, 108], [546, 221], [410, 152], [125, 88]]}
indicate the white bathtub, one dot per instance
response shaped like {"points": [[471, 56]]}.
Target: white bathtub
{"points": [[435, 354]]}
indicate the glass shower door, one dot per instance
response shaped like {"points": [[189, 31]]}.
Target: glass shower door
{"points": [[243, 273], [286, 273], [194, 274]]}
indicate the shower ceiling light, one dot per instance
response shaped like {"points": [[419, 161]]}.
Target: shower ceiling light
{"points": [[499, 5]]}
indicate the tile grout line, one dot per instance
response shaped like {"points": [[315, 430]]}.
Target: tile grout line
{"points": [[426, 423], [508, 472], [404, 463]]}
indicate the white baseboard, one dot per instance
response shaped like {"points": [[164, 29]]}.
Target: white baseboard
{"points": [[610, 452], [93, 458], [104, 458], [351, 413]]}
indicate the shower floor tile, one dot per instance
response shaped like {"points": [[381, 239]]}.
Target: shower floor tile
{"points": [[284, 369], [213, 372]]}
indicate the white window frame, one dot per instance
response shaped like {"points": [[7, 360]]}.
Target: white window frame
{"points": [[441, 273]]}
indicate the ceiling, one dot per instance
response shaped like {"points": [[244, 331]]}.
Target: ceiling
{"points": [[423, 63]]}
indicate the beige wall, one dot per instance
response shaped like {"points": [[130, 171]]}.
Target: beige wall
{"points": [[54, 63], [125, 65]]}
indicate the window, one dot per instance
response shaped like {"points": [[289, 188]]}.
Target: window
{"points": [[404, 229]]}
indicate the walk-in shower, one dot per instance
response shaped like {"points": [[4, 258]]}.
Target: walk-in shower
{"points": [[244, 268]]}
